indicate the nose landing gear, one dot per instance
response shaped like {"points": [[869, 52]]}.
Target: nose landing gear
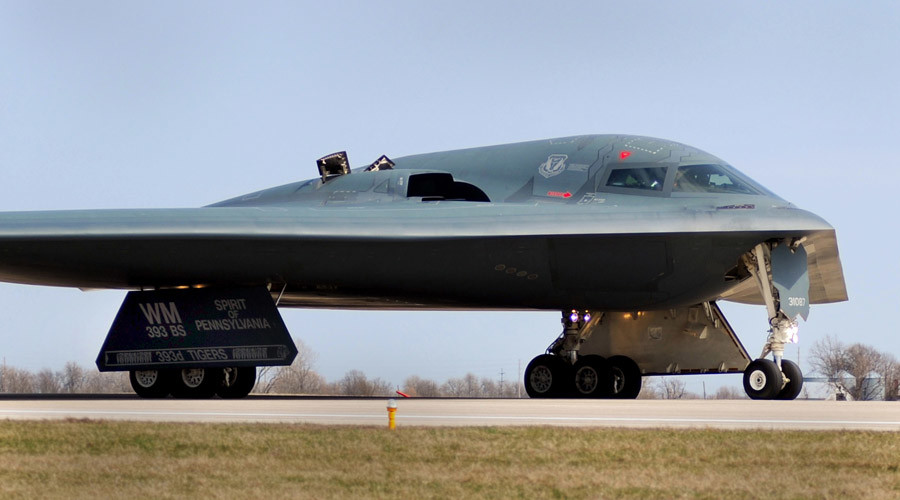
{"points": [[781, 378]]}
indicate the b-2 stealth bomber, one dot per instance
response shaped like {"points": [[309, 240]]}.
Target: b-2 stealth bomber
{"points": [[633, 239]]}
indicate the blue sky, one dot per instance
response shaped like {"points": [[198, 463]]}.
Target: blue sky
{"points": [[113, 104]]}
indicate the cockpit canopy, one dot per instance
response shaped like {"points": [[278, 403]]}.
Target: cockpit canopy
{"points": [[661, 180]]}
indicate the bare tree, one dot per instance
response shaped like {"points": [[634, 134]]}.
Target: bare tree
{"points": [[472, 386], [513, 390], [16, 380], [889, 369], [648, 389], [417, 386], [667, 387], [453, 387], [295, 380], [828, 358], [671, 388], [72, 378], [469, 386], [729, 392], [96, 382], [355, 383], [489, 388], [298, 378], [48, 382]]}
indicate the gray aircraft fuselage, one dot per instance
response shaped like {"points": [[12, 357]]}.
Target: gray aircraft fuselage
{"points": [[605, 222]]}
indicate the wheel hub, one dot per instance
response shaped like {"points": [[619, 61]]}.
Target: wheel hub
{"points": [[618, 379], [758, 380], [230, 377], [586, 380], [146, 378], [541, 379], [193, 377]]}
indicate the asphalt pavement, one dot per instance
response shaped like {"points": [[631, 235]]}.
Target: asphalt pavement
{"points": [[719, 414]]}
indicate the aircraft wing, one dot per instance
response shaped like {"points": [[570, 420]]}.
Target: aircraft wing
{"points": [[393, 251]]}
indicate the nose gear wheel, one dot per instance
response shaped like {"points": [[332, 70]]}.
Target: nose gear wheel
{"points": [[763, 379]]}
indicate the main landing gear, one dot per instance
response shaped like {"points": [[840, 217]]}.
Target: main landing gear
{"points": [[194, 383], [563, 373]]}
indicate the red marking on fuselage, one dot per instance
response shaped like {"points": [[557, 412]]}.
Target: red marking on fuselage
{"points": [[624, 154], [559, 194]]}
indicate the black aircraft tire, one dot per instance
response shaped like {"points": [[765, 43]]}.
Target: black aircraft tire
{"points": [[590, 377], [625, 378], [762, 379], [196, 383], [151, 384], [547, 376], [795, 376], [237, 382]]}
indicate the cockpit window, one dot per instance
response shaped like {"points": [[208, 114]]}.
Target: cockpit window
{"points": [[649, 178], [709, 179]]}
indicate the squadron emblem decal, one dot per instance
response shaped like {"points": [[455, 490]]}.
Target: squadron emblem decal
{"points": [[554, 165]]}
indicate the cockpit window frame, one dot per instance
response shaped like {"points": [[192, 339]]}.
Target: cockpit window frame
{"points": [[736, 177], [663, 193]]}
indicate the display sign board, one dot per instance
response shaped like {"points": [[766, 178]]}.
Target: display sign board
{"points": [[205, 327]]}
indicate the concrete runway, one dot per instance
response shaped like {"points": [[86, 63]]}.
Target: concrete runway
{"points": [[719, 414]]}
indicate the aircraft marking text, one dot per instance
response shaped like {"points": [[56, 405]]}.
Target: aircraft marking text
{"points": [[266, 353], [160, 312], [206, 325]]}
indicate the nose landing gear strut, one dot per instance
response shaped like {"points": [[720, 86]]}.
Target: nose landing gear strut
{"points": [[783, 281]]}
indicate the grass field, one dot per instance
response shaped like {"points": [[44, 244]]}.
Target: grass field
{"points": [[89, 459]]}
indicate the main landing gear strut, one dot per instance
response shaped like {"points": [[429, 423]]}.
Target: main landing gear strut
{"points": [[778, 378], [562, 372]]}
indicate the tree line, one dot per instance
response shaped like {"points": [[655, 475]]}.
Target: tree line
{"points": [[301, 378], [72, 379]]}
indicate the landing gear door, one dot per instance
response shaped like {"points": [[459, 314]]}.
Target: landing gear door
{"points": [[790, 276], [197, 328], [688, 340]]}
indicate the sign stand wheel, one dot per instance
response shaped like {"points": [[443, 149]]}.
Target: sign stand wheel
{"points": [[150, 383], [196, 383], [237, 382]]}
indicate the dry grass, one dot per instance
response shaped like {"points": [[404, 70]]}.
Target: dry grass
{"points": [[143, 460]]}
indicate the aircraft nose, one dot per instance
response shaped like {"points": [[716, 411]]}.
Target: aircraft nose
{"points": [[791, 215]]}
